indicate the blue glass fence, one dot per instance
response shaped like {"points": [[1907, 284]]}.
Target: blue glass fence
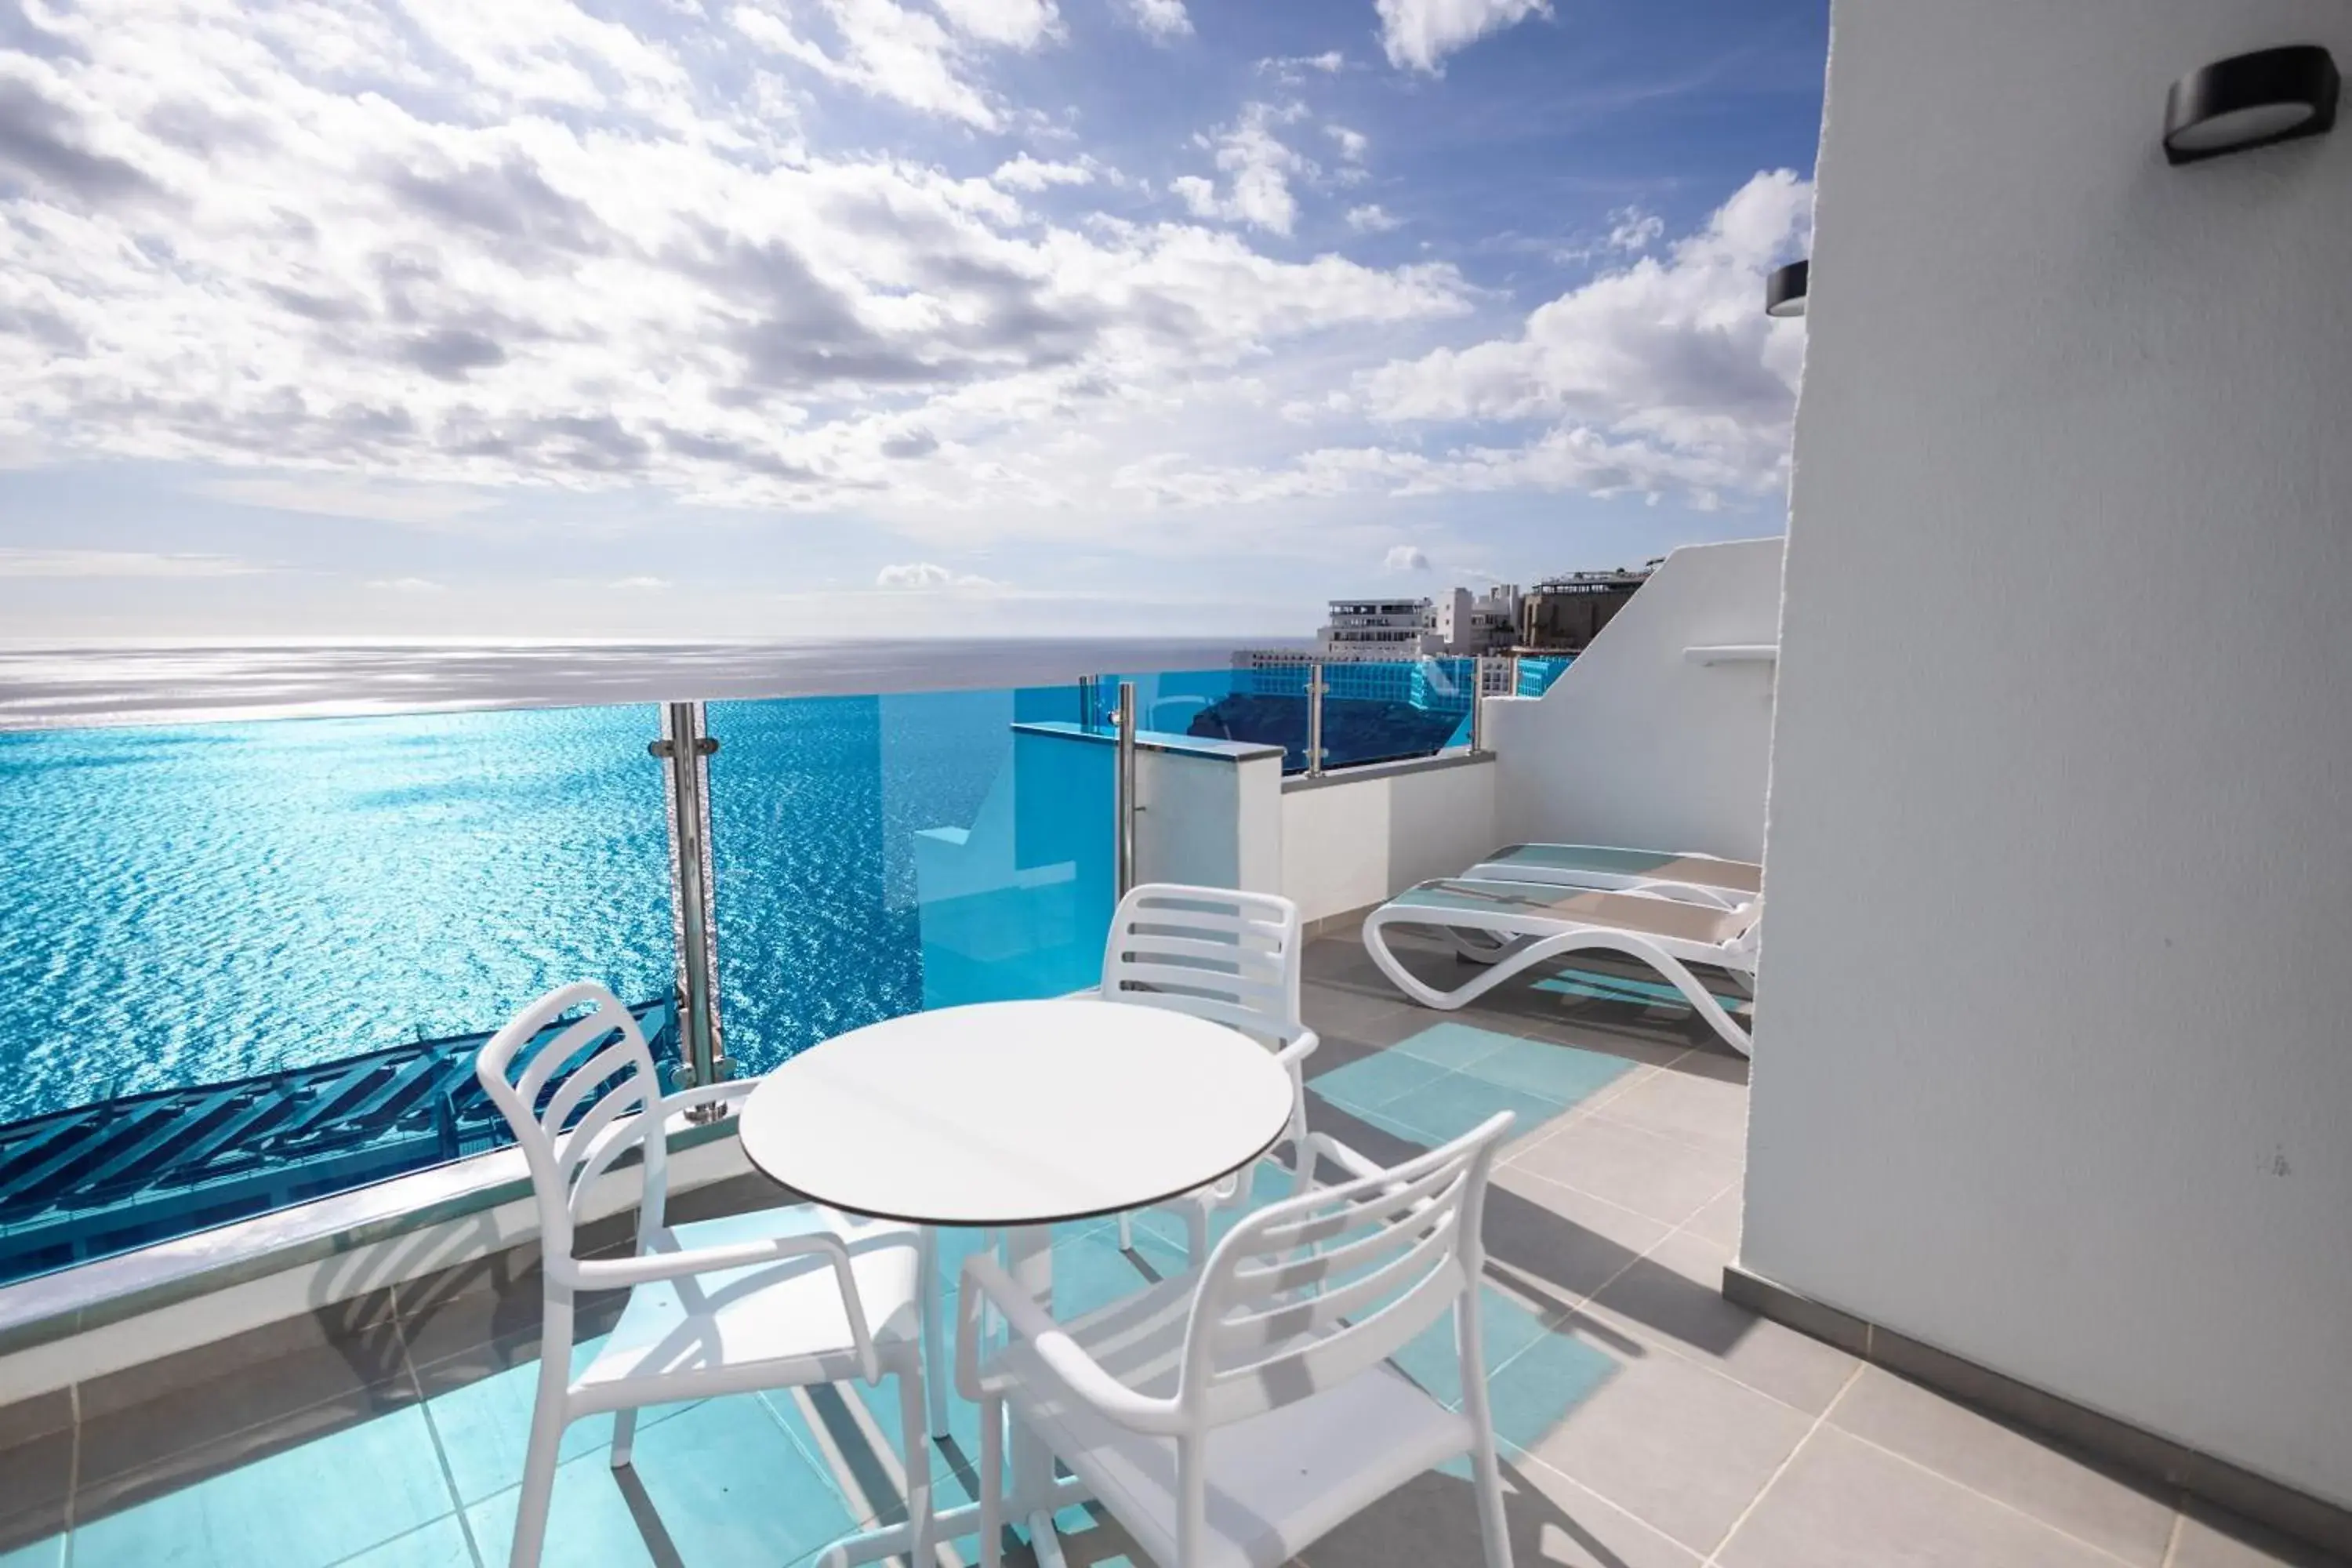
{"points": [[1373, 711], [1536, 675], [245, 965]]}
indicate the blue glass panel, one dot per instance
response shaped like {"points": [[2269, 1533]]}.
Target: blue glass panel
{"points": [[878, 855], [245, 965], [1388, 711], [1536, 675], [1264, 707]]}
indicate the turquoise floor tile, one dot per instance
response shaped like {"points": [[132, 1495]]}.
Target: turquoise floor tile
{"points": [[441, 1544], [1560, 1074], [485, 1427], [1541, 1386], [1090, 1271], [1453, 1045], [47, 1554], [1371, 1082], [1452, 1105], [718, 1484], [1432, 1360], [305, 1508]]}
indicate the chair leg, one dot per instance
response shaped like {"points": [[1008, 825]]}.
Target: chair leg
{"points": [[548, 1420], [991, 1483], [625, 1436], [934, 1308], [1494, 1527], [917, 1462], [1127, 1233]]}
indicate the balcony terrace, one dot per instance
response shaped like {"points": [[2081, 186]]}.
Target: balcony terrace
{"points": [[1649, 1421]]}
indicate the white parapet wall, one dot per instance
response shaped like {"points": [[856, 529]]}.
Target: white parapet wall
{"points": [[1361, 836], [2053, 1048], [1660, 733]]}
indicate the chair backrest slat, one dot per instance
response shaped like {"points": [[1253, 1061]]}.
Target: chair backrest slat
{"points": [[597, 1067], [1229, 956], [1278, 1316]]}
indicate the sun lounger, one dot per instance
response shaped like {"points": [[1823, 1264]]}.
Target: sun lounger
{"points": [[1702, 878], [1533, 923]]}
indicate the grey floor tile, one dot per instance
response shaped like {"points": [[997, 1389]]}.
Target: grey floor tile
{"points": [[2209, 1537], [1432, 1522], [1719, 1222], [357, 1334], [1681, 1448], [1674, 1298], [298, 1396], [1668, 1179], [2085, 1500], [36, 1479], [1559, 1244], [1689, 1104], [1843, 1504]]}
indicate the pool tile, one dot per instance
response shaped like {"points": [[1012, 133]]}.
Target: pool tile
{"points": [[384, 1477]]}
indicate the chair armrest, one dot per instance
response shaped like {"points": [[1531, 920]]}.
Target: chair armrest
{"points": [[706, 1094], [1323, 1146], [1079, 1373], [653, 1268], [1299, 1050]]}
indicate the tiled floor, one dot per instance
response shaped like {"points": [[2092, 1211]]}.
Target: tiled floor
{"points": [[1649, 1423]]}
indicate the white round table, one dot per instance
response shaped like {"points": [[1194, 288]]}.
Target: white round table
{"points": [[1017, 1115]]}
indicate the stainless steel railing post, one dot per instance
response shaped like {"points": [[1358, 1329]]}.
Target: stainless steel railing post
{"points": [[1124, 803], [1518, 672], [1479, 704], [1314, 691], [685, 748]]}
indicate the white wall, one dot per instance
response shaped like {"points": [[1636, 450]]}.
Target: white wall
{"points": [[1210, 818], [1635, 744], [2053, 1065], [1354, 841]]}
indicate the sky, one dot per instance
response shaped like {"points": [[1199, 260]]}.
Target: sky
{"points": [[688, 318]]}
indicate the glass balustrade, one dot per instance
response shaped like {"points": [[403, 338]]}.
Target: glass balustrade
{"points": [[243, 965]]}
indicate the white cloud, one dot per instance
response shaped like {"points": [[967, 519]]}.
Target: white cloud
{"points": [[1259, 166], [1420, 34], [1352, 143], [1405, 558], [886, 49], [1672, 355], [927, 576], [1028, 173], [23, 562], [549, 263], [1371, 219], [644, 584], [1632, 229], [1164, 20], [410, 585], [1292, 69], [1015, 24]]}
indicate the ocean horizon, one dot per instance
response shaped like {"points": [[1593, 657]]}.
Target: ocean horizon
{"points": [[51, 685]]}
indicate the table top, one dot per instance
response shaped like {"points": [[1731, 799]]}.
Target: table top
{"points": [[1016, 1114]]}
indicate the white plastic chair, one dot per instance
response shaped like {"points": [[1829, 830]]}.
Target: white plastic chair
{"points": [[1234, 958], [776, 1299], [1230, 1419]]}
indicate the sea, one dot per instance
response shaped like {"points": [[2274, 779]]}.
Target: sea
{"points": [[233, 858]]}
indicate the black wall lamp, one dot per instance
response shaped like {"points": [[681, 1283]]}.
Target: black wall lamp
{"points": [[1784, 289], [2250, 100]]}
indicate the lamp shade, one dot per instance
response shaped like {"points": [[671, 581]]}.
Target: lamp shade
{"points": [[2250, 100], [1784, 289]]}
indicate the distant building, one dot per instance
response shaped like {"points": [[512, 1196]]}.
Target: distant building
{"points": [[1471, 625], [1561, 614]]}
